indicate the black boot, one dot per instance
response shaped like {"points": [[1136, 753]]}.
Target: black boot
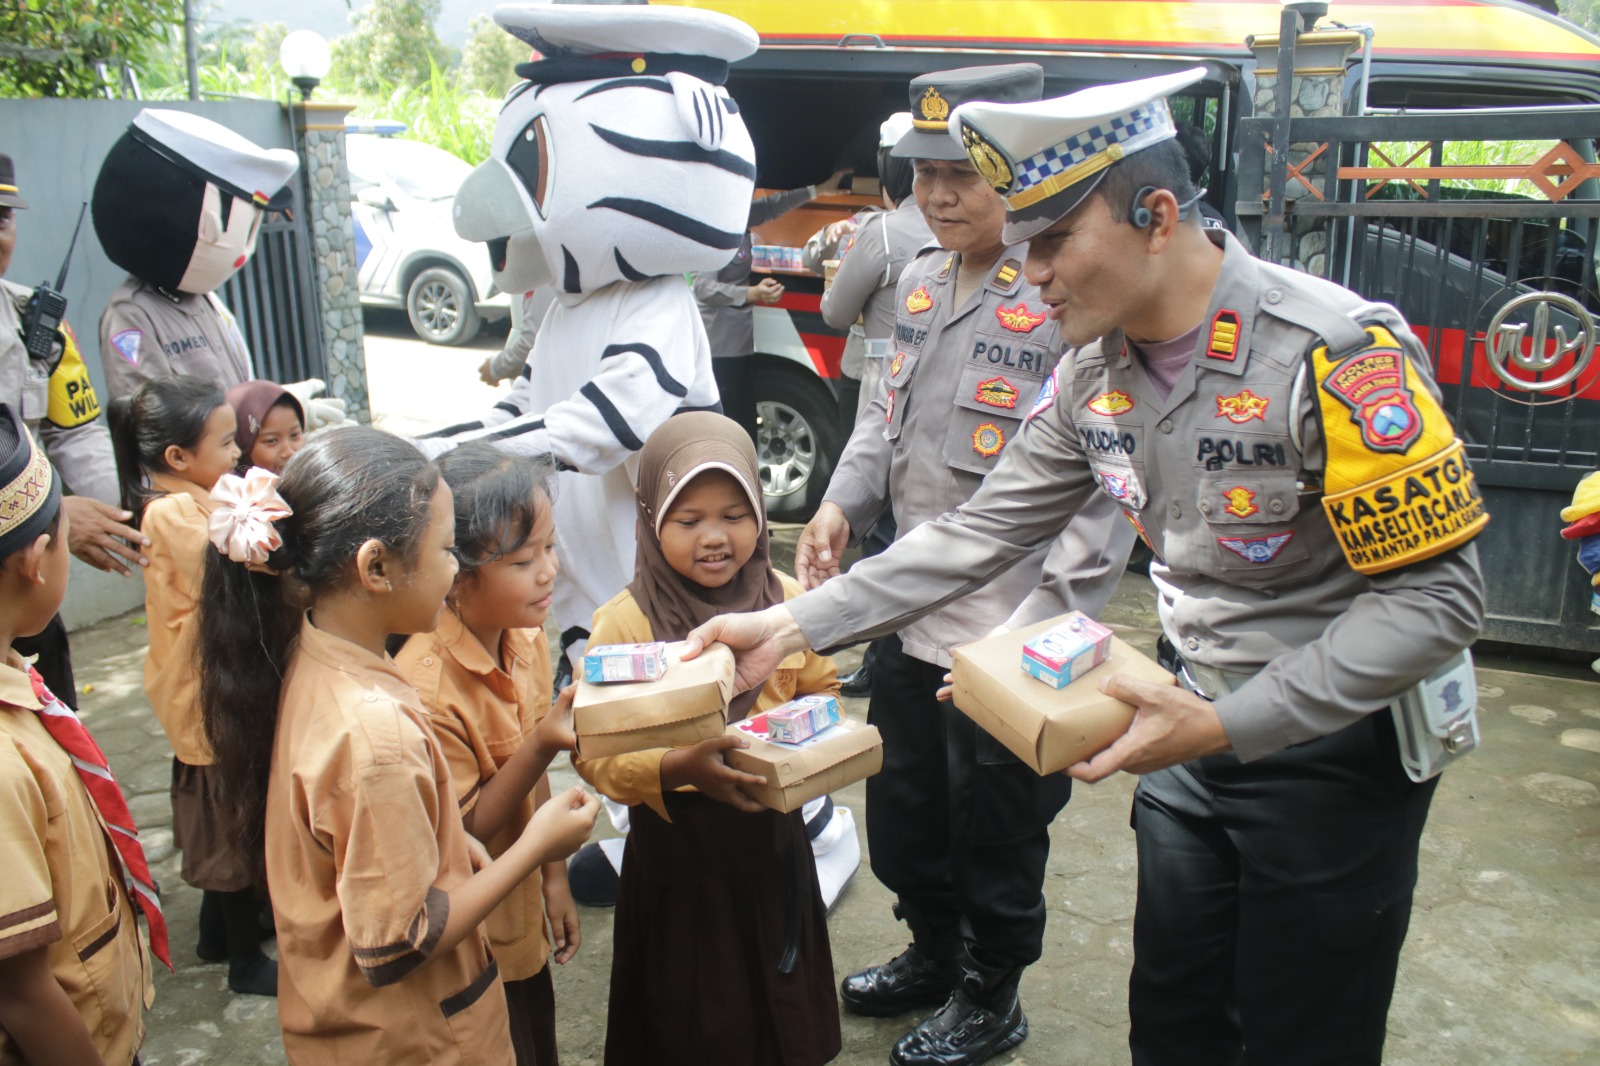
{"points": [[982, 1019], [858, 683], [251, 971], [922, 975]]}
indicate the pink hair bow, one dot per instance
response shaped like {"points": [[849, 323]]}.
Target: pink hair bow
{"points": [[241, 520]]}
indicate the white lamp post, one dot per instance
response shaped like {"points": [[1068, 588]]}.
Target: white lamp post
{"points": [[305, 57]]}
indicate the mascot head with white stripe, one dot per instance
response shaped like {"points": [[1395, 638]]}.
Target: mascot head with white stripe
{"points": [[621, 157]]}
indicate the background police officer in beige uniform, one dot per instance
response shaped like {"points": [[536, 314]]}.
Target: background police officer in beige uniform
{"points": [[58, 403], [956, 825], [1311, 513]]}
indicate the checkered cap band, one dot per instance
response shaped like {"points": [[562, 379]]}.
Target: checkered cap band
{"points": [[1081, 147]]}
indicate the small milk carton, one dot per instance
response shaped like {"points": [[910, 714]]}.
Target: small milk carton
{"points": [[802, 718], [625, 662], [1066, 651]]}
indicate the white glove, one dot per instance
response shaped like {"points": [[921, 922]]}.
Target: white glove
{"points": [[322, 412]]}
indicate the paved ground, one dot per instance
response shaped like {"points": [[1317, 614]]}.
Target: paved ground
{"points": [[1502, 966]]}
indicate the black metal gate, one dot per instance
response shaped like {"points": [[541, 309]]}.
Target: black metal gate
{"points": [[1501, 289], [274, 297]]}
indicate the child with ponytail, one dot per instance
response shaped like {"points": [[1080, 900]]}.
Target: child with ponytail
{"points": [[485, 677], [326, 756], [174, 437]]}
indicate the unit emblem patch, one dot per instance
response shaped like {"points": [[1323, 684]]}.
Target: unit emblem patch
{"points": [[889, 416], [1257, 550], [126, 342], [1047, 393], [1241, 407], [1116, 486], [1139, 528], [1241, 502], [1111, 403], [898, 362], [1019, 319], [919, 300], [1372, 383], [997, 392], [988, 439], [1224, 340]]}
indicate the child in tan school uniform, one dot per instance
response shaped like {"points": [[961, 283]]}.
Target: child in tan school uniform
{"points": [[174, 437], [484, 675], [717, 892], [74, 977], [378, 892]]}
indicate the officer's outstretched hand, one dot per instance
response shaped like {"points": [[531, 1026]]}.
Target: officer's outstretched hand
{"points": [[821, 546], [98, 533], [1170, 725], [760, 641]]}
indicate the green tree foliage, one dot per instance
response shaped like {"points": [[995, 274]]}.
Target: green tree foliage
{"points": [[1585, 13], [52, 47], [490, 57], [393, 43]]}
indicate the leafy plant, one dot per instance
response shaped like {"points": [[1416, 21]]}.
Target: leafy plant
{"points": [[76, 48]]}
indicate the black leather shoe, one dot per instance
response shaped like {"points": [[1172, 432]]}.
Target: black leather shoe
{"points": [[980, 1020], [910, 979], [858, 683]]}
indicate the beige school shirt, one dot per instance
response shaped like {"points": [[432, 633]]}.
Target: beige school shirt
{"points": [[481, 712], [146, 332], [363, 844], [62, 888], [176, 526], [636, 777]]}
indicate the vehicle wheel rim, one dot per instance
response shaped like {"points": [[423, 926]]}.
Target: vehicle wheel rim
{"points": [[786, 447], [437, 308]]}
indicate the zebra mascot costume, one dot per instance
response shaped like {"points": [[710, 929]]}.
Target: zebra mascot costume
{"points": [[619, 165]]}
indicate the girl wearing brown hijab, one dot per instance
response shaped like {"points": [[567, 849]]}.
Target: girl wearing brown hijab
{"points": [[720, 938], [271, 425]]}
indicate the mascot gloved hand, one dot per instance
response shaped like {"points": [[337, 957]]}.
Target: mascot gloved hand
{"points": [[618, 165], [178, 205]]}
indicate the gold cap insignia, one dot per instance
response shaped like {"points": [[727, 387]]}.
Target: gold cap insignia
{"points": [[934, 106], [991, 165]]}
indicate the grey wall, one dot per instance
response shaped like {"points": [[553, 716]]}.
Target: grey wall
{"points": [[58, 146]]}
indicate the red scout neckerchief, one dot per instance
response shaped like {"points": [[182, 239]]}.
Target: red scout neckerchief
{"points": [[63, 725]]}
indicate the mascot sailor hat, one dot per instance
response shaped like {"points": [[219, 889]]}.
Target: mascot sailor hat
{"points": [[1046, 157], [179, 198], [621, 157]]}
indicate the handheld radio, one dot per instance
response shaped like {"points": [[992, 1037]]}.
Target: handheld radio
{"points": [[47, 307]]}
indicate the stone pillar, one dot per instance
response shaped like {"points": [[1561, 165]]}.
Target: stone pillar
{"points": [[1320, 58], [319, 128]]}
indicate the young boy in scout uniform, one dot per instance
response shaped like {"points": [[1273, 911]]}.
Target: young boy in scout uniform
{"points": [[956, 825], [74, 978], [1281, 445]]}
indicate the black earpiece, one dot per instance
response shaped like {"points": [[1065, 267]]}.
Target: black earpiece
{"points": [[1138, 213]]}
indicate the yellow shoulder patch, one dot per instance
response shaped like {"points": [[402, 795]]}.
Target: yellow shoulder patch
{"points": [[72, 397], [1397, 486]]}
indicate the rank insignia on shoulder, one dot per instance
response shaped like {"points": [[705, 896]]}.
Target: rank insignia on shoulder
{"points": [[898, 362], [1241, 407], [1008, 273], [988, 439], [1111, 404], [1019, 319], [997, 392], [1241, 502], [1047, 393], [126, 342], [1224, 340], [919, 300], [1257, 550]]}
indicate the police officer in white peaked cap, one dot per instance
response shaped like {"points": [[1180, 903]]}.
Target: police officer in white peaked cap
{"points": [[1279, 443]]}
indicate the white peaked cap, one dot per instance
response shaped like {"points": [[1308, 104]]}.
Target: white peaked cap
{"points": [[226, 159], [558, 30], [894, 127], [1045, 157]]}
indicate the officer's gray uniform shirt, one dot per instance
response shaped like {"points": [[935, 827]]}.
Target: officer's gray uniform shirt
{"points": [[723, 296], [951, 402], [864, 286], [144, 334], [1326, 644], [82, 454]]}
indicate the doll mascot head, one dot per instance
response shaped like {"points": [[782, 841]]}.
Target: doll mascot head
{"points": [[621, 157], [179, 198]]}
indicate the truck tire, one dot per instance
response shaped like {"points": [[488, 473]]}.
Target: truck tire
{"points": [[439, 304], [798, 439]]}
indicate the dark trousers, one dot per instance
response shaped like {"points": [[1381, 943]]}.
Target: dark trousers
{"points": [[957, 826], [1273, 900], [734, 384], [531, 1003], [55, 660], [849, 395]]}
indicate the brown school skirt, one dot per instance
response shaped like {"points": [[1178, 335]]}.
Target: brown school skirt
{"points": [[531, 1003], [703, 918], [211, 859]]}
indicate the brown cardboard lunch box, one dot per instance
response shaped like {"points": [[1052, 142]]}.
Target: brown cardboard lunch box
{"points": [[1047, 728], [796, 773], [688, 705]]}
